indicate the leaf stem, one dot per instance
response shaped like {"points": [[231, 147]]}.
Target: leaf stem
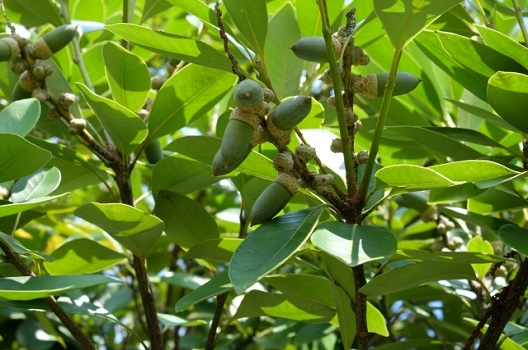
{"points": [[374, 147], [520, 19], [340, 106]]}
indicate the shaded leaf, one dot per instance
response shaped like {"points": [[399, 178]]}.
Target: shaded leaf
{"points": [[19, 117], [187, 223], [127, 75], [82, 256], [257, 303], [477, 244], [20, 249], [153, 7], [217, 285], [172, 45], [516, 237], [34, 13], [131, 227], [447, 257], [125, 128], [504, 44], [403, 20], [220, 249], [11, 209], [199, 9], [19, 157], [173, 321], [354, 244], [179, 103], [35, 287], [508, 95], [483, 114], [414, 275], [251, 18], [312, 287], [37, 185], [270, 245]]}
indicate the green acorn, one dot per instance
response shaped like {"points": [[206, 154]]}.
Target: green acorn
{"points": [[248, 93], [220, 167], [313, 48], [54, 41], [273, 199], [9, 49], [373, 85], [235, 143], [153, 152], [291, 112]]}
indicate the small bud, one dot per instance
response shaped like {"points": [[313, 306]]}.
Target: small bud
{"points": [[336, 146], [269, 95], [143, 114], [357, 126], [42, 70], [157, 82], [362, 157], [350, 116], [283, 162], [430, 214], [259, 136], [28, 82], [67, 99], [358, 57], [331, 101], [19, 65], [305, 152], [320, 182], [77, 125], [40, 94], [455, 243]]}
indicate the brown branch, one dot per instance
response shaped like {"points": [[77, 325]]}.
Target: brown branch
{"points": [[211, 337], [13, 258], [361, 308], [223, 35]]}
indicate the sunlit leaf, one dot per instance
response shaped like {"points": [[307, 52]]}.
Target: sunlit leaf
{"points": [[508, 95], [14, 244], [251, 18], [477, 244], [217, 285], [19, 117], [37, 185], [19, 157]]}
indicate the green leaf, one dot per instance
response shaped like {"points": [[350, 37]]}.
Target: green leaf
{"points": [[82, 256], [20, 249], [508, 95], [34, 13], [186, 221], [251, 18], [20, 117], [312, 287], [283, 67], [469, 135], [35, 287], [495, 200], [19, 157], [11, 209], [270, 245], [173, 321], [403, 20], [504, 44], [220, 249], [199, 9], [125, 128], [179, 103], [354, 244], [415, 275], [516, 237], [127, 75], [344, 292], [412, 177], [180, 175], [37, 185], [217, 285], [473, 170], [257, 303], [172, 45], [131, 227], [153, 7], [447, 257], [477, 244], [483, 114], [506, 343]]}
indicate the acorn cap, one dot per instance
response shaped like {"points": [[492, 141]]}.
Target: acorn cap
{"points": [[291, 112], [54, 40], [9, 49]]}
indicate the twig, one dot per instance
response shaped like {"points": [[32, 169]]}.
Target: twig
{"points": [[211, 337], [8, 21], [223, 35]]}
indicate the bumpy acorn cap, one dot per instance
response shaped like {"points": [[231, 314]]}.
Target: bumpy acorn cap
{"points": [[54, 41], [248, 93], [9, 49], [283, 162]]}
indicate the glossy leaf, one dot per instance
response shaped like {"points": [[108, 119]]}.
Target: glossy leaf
{"points": [[415, 275], [447, 257], [172, 45], [153, 7], [134, 229], [14, 244], [403, 20], [504, 44], [125, 128], [271, 245], [516, 237], [15, 208], [175, 321], [217, 285], [34, 13], [19, 157], [312, 287], [473, 170], [257, 303], [187, 223], [477, 244], [251, 18], [508, 95], [283, 67], [127, 75], [82, 256], [220, 249], [19, 117], [354, 244], [35, 287], [494, 200], [412, 177], [180, 175], [483, 114], [199, 9], [179, 103], [37, 185]]}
